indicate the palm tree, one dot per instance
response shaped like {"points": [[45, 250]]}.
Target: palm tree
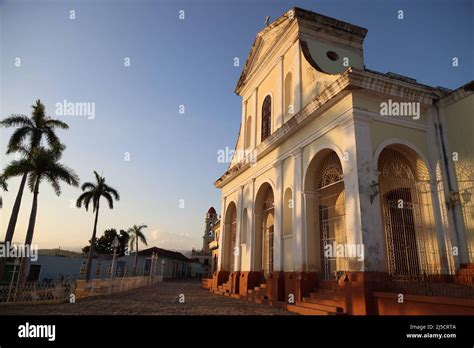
{"points": [[41, 164], [4, 187], [3, 183], [93, 192], [135, 233], [30, 130]]}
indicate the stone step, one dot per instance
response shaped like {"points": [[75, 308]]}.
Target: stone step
{"points": [[327, 284], [306, 310], [314, 304], [277, 304], [329, 300], [326, 296], [261, 299], [326, 291]]}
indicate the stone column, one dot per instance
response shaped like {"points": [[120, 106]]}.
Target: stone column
{"points": [[455, 214], [278, 223], [244, 126], [363, 214], [220, 259], [237, 253], [298, 227], [251, 231], [440, 234]]}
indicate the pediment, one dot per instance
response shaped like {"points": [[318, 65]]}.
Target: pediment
{"points": [[265, 41]]}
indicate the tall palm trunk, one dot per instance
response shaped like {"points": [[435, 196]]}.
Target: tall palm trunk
{"points": [[136, 257], [25, 264], [12, 222], [91, 249]]}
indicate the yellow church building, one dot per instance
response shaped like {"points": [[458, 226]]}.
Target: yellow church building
{"points": [[347, 184]]}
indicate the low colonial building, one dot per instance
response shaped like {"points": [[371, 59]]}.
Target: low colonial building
{"points": [[343, 178], [167, 264]]}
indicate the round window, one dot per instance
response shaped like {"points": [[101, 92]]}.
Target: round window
{"points": [[332, 55]]}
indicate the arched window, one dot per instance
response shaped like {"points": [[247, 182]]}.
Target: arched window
{"points": [[266, 117], [288, 95], [248, 130]]}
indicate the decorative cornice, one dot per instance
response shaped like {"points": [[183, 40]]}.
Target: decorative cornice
{"points": [[458, 94], [351, 79]]}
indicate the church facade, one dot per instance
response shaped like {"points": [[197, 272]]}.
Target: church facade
{"points": [[342, 177]]}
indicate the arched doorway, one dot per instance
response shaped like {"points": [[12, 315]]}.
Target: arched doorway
{"points": [[264, 230], [331, 212], [407, 214], [326, 215], [230, 235]]}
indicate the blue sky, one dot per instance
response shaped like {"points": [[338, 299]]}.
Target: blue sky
{"points": [[177, 62]]}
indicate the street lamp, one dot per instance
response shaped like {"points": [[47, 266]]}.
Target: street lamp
{"points": [[466, 196], [374, 190], [115, 244]]}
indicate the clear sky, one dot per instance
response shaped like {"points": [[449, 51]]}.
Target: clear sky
{"points": [[176, 62]]}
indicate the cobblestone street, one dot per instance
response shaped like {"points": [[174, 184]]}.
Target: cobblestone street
{"points": [[160, 299]]}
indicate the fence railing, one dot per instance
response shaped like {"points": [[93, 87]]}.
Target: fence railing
{"points": [[434, 283], [56, 292], [108, 286], [36, 292]]}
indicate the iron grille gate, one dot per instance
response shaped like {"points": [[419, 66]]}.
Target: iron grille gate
{"points": [[267, 233], [332, 214], [332, 228], [409, 227], [466, 189]]}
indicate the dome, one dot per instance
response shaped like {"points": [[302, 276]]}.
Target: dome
{"points": [[211, 211]]}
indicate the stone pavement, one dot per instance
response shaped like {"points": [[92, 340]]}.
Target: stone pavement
{"points": [[160, 299]]}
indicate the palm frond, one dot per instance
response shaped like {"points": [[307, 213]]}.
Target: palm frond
{"points": [[17, 168], [85, 199], [112, 191], [16, 120], [32, 177], [88, 185], [52, 123], [109, 199], [54, 183], [65, 174], [3, 183], [142, 238], [17, 139]]}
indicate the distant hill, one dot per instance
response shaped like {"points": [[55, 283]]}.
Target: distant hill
{"points": [[58, 252]]}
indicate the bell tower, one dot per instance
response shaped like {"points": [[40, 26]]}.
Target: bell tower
{"points": [[211, 218]]}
